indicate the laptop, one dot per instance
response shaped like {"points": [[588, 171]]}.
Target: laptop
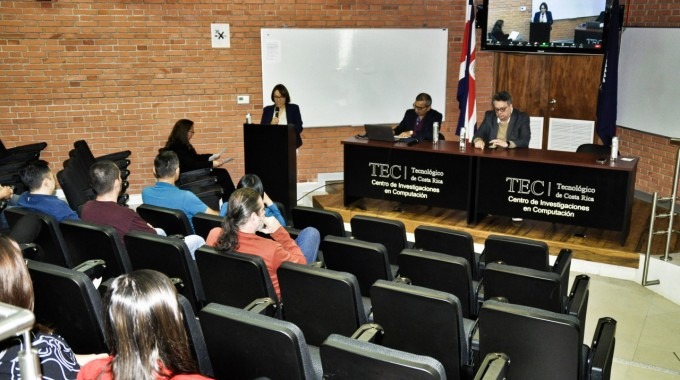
{"points": [[380, 132]]}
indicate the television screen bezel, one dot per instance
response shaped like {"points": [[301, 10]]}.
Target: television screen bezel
{"points": [[485, 26]]}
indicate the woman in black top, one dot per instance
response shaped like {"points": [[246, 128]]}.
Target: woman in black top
{"points": [[179, 142]]}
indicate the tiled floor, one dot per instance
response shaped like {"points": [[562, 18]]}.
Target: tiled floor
{"points": [[647, 332]]}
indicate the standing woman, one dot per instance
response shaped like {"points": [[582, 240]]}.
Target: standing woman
{"points": [[180, 143], [283, 112], [143, 322]]}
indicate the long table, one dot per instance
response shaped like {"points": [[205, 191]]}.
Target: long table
{"points": [[559, 187]]}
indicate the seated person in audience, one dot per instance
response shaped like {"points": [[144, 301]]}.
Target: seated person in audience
{"points": [[6, 195], [106, 182], [503, 126], [57, 360], [165, 194], [41, 184], [244, 218], [179, 142], [308, 239], [417, 121], [497, 32], [147, 339]]}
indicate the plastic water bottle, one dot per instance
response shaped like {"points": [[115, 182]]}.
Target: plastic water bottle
{"points": [[463, 138], [249, 119], [435, 132], [615, 149]]}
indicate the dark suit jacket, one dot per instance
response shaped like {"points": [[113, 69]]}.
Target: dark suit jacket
{"points": [[519, 131], [292, 115], [409, 121], [548, 16], [188, 158]]}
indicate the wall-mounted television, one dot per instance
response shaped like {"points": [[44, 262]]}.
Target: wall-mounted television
{"points": [[552, 26]]}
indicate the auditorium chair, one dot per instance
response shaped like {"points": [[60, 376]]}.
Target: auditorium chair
{"points": [[545, 345], [326, 221], [345, 358], [388, 232], [236, 279], [247, 345], [494, 367], [449, 241], [172, 221], [516, 251], [21, 153], [204, 223], [67, 301], [49, 239], [602, 150], [441, 272], [320, 301], [170, 256], [424, 321], [199, 350], [367, 261], [203, 184], [84, 152]]}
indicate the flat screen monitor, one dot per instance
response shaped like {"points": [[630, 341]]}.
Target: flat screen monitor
{"points": [[566, 26]]}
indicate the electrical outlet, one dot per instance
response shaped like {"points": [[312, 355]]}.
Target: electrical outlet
{"points": [[242, 99], [522, 9]]}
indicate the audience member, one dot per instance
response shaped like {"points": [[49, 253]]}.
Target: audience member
{"points": [[7, 196], [308, 239], [143, 323], [179, 142], [503, 126], [106, 182], [165, 194], [497, 32], [417, 121], [283, 112], [244, 218], [57, 360], [41, 184]]}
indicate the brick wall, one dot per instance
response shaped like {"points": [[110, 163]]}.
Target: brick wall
{"points": [[120, 73]]}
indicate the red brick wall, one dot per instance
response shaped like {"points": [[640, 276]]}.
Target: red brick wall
{"points": [[120, 73]]}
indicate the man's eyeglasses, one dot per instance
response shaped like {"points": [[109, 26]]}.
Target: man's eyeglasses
{"points": [[502, 109], [420, 108]]}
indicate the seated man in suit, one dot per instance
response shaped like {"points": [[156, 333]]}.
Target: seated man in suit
{"points": [[503, 126], [165, 194], [105, 210], [40, 197], [417, 122]]}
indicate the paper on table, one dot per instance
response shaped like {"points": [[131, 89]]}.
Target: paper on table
{"points": [[214, 156]]}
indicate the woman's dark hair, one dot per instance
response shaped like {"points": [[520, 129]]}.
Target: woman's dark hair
{"points": [[543, 5], [180, 133], [251, 181], [16, 287], [498, 26], [283, 91], [144, 327], [243, 203]]}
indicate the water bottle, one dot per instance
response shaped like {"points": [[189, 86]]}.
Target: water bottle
{"points": [[615, 149], [435, 132], [463, 138], [249, 119]]}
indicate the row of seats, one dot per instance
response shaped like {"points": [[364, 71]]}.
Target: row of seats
{"points": [[13, 159]]}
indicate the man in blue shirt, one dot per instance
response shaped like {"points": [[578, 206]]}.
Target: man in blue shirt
{"points": [[40, 197], [165, 194]]}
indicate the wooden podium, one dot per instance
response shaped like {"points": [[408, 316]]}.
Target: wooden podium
{"points": [[269, 152]]}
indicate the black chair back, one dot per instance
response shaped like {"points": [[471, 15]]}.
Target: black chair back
{"points": [[49, 239], [199, 350], [448, 241], [245, 345], [367, 261], [345, 358], [388, 232], [67, 301], [203, 223], [516, 251], [320, 301], [172, 221], [326, 221]]}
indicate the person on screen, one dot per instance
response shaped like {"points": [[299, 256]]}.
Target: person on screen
{"points": [[503, 126], [283, 112], [179, 142], [497, 32], [417, 121], [543, 15]]}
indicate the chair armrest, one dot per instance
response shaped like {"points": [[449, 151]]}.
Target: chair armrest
{"points": [[563, 267], [577, 304], [31, 251], [92, 268], [261, 305], [494, 367], [602, 349], [369, 332], [197, 183], [193, 175]]}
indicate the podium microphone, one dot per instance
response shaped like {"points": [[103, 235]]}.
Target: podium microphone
{"points": [[276, 112]]}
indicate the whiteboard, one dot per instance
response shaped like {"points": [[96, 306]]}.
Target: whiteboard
{"points": [[355, 76], [649, 84]]}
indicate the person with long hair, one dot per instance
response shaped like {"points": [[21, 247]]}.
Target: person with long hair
{"points": [[57, 360], [283, 112], [245, 217], [143, 323], [179, 142]]}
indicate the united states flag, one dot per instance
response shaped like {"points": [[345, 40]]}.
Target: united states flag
{"points": [[467, 97]]}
